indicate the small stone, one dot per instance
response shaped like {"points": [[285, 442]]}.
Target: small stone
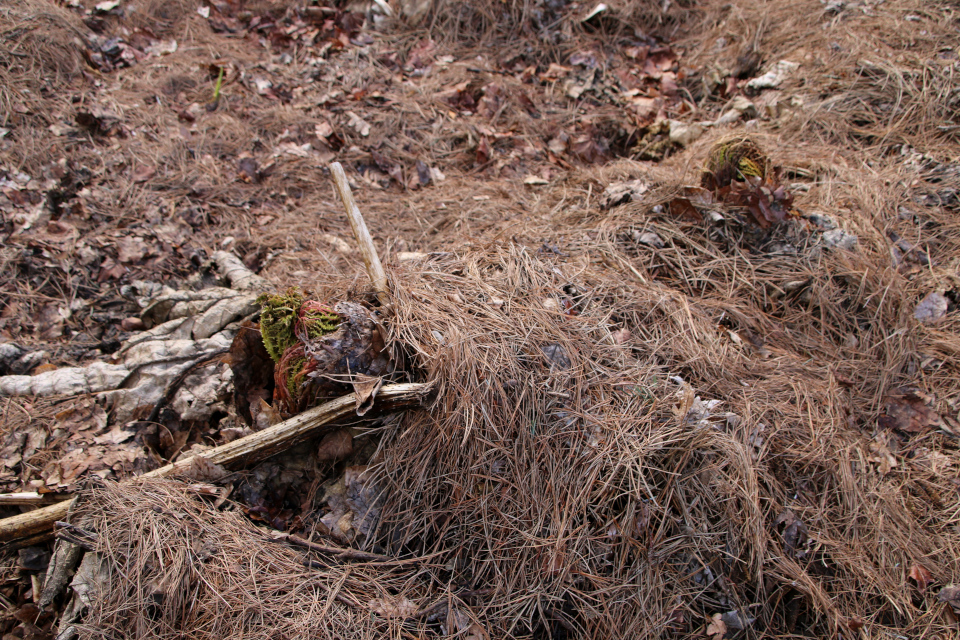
{"points": [[823, 221], [132, 324], [839, 239], [743, 106], [932, 308], [685, 134]]}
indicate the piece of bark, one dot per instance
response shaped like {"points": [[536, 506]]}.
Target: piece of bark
{"points": [[244, 451], [66, 557]]}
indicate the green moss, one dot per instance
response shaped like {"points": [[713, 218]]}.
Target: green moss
{"points": [[293, 388], [318, 320], [278, 316], [734, 158]]}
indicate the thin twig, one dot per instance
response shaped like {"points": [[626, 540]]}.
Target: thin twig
{"points": [[348, 554]]}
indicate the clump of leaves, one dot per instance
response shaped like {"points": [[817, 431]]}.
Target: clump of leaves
{"points": [[739, 173]]}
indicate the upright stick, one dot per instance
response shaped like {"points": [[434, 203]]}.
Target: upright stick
{"points": [[360, 231]]}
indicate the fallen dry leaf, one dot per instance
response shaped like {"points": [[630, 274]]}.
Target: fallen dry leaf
{"points": [[950, 594], [388, 608], [794, 532], [932, 308], [555, 72], [716, 629], [909, 410], [359, 124], [335, 446], [460, 624], [144, 172], [920, 575], [683, 208], [131, 249], [881, 454]]}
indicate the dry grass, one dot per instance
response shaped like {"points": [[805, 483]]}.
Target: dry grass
{"points": [[176, 564]]}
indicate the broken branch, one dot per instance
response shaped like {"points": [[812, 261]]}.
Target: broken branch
{"points": [[369, 252], [243, 451], [31, 498]]}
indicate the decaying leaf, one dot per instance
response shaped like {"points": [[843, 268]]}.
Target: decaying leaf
{"points": [[739, 173], [623, 192], [950, 594], [881, 454], [99, 121], [201, 469], [794, 532], [459, 624], [921, 575], [359, 124], [909, 410], [932, 308], [335, 446], [392, 607], [354, 504], [365, 387], [683, 208], [767, 201], [733, 620]]}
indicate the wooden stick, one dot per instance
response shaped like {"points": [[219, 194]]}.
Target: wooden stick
{"points": [[31, 498], [243, 451], [370, 258]]}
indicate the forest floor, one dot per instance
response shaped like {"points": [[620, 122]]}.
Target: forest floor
{"points": [[809, 323]]}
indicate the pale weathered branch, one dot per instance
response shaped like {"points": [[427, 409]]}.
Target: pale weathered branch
{"points": [[238, 453], [369, 252]]}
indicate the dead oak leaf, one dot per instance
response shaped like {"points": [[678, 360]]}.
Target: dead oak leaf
{"points": [[950, 594], [909, 410], [143, 172], [920, 575], [359, 124], [335, 446], [881, 455], [717, 628], [131, 249]]}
